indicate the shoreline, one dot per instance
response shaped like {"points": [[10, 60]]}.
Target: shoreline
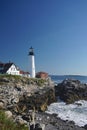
{"points": [[52, 122], [19, 95]]}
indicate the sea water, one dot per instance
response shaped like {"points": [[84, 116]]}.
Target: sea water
{"points": [[60, 78], [71, 112], [76, 112]]}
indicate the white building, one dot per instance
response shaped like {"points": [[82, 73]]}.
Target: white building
{"points": [[11, 68]]}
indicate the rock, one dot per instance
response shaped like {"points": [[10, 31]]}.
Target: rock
{"points": [[79, 104], [8, 114], [85, 127], [51, 127], [14, 100], [55, 123], [1, 105], [4, 80], [40, 101], [71, 91], [38, 126], [18, 88], [26, 117], [20, 120]]}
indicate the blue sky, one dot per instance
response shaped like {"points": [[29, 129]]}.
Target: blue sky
{"points": [[56, 29]]}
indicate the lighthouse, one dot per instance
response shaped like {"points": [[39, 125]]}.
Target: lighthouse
{"points": [[32, 62]]}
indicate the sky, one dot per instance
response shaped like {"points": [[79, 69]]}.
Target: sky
{"points": [[56, 29]]}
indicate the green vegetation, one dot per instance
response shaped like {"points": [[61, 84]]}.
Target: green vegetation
{"points": [[8, 124], [9, 77], [4, 78], [40, 82]]}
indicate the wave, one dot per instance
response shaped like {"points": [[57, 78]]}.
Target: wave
{"points": [[76, 112]]}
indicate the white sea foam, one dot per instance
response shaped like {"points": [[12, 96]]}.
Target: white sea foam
{"points": [[76, 112]]}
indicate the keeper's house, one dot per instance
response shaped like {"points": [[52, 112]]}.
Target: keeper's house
{"points": [[11, 68]]}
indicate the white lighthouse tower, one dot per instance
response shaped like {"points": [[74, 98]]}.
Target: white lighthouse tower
{"points": [[32, 58]]}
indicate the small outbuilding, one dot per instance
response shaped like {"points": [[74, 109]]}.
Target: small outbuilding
{"points": [[42, 75]]}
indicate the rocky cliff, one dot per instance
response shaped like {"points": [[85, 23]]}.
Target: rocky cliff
{"points": [[24, 92], [71, 90], [18, 95]]}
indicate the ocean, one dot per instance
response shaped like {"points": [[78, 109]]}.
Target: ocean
{"points": [[71, 112], [60, 78]]}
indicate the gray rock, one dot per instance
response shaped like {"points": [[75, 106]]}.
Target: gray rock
{"points": [[71, 91], [1, 105], [20, 120], [8, 114], [15, 100], [85, 127]]}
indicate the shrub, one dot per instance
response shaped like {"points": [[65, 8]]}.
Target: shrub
{"points": [[8, 124]]}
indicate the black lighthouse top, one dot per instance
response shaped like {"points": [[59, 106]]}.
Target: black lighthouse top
{"points": [[31, 52]]}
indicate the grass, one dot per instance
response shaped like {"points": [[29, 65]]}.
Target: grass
{"points": [[8, 124], [40, 82], [24, 80]]}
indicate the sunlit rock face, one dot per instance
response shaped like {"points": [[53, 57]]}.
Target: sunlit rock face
{"points": [[20, 94], [39, 100]]}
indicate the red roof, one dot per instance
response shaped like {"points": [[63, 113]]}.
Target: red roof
{"points": [[22, 72]]}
